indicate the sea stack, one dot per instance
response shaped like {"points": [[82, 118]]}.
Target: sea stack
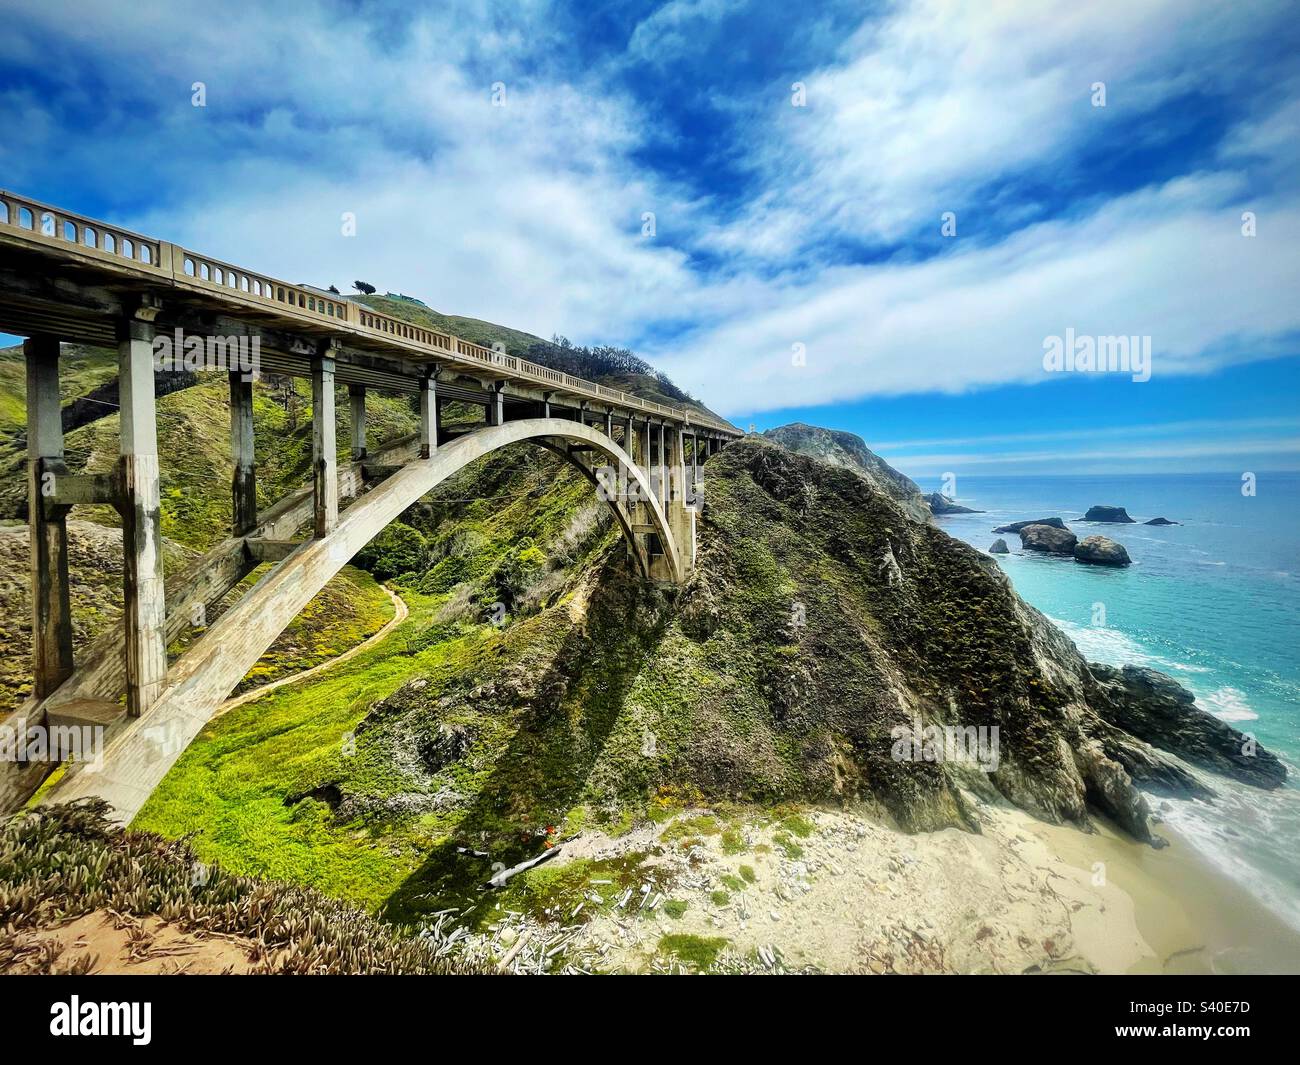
{"points": [[1161, 521], [1101, 551], [1047, 539], [999, 547], [1109, 515], [1016, 526]]}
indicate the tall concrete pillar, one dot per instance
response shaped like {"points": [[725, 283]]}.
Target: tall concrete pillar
{"points": [[47, 526], [496, 411], [428, 416], [546, 404], [324, 446], [679, 464], [144, 603], [609, 424], [695, 458], [647, 462], [243, 489], [629, 436], [357, 410], [663, 465]]}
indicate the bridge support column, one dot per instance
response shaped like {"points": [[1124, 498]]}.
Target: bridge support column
{"points": [[324, 446], [243, 489], [546, 404], [48, 526], [663, 465], [428, 416], [647, 465], [496, 411], [357, 410], [681, 517], [695, 459], [141, 506]]}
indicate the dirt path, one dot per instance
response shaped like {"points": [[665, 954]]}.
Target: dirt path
{"points": [[400, 614]]}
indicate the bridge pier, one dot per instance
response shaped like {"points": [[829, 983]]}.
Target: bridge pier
{"points": [[357, 411], [324, 447], [496, 410], [47, 524], [428, 416], [663, 466], [244, 485], [646, 465], [144, 604]]}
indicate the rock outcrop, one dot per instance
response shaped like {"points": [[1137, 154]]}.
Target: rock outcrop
{"points": [[1048, 539], [1157, 709], [999, 547], [1016, 526], [1101, 551], [941, 504], [1108, 515], [837, 448], [1161, 521]]}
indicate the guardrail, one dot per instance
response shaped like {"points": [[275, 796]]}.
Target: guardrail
{"points": [[54, 228]]}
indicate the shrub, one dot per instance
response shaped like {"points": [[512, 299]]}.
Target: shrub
{"points": [[396, 550]]}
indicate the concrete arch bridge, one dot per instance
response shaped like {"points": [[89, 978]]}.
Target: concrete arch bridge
{"points": [[67, 278]]}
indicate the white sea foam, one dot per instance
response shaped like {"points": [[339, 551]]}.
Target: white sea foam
{"points": [[1245, 833], [1114, 648], [1227, 704]]}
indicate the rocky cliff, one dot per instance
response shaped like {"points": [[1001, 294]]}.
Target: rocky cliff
{"points": [[834, 447]]}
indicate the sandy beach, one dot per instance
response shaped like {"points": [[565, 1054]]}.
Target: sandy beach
{"points": [[852, 895]]}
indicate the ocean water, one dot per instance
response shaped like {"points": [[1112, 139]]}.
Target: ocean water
{"points": [[1214, 602]]}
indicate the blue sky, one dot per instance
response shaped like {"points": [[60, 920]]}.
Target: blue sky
{"points": [[799, 163]]}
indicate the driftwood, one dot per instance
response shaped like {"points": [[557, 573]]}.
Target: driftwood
{"points": [[499, 879]]}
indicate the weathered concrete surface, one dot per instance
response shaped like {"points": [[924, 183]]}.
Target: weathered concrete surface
{"points": [[144, 598], [324, 451], [140, 751], [51, 610]]}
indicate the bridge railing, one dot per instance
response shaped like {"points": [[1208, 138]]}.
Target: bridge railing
{"points": [[93, 239], [49, 225]]}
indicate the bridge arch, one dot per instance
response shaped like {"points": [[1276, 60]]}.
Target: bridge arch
{"points": [[139, 751]]}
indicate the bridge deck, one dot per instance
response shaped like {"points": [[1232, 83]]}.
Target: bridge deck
{"points": [[59, 247]]}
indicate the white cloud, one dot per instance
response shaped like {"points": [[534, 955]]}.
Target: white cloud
{"points": [[1170, 263], [530, 214], [926, 107], [675, 28]]}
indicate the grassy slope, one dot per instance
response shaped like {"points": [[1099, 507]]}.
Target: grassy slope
{"points": [[514, 342], [82, 370]]}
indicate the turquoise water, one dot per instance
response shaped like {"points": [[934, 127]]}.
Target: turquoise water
{"points": [[1214, 602]]}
